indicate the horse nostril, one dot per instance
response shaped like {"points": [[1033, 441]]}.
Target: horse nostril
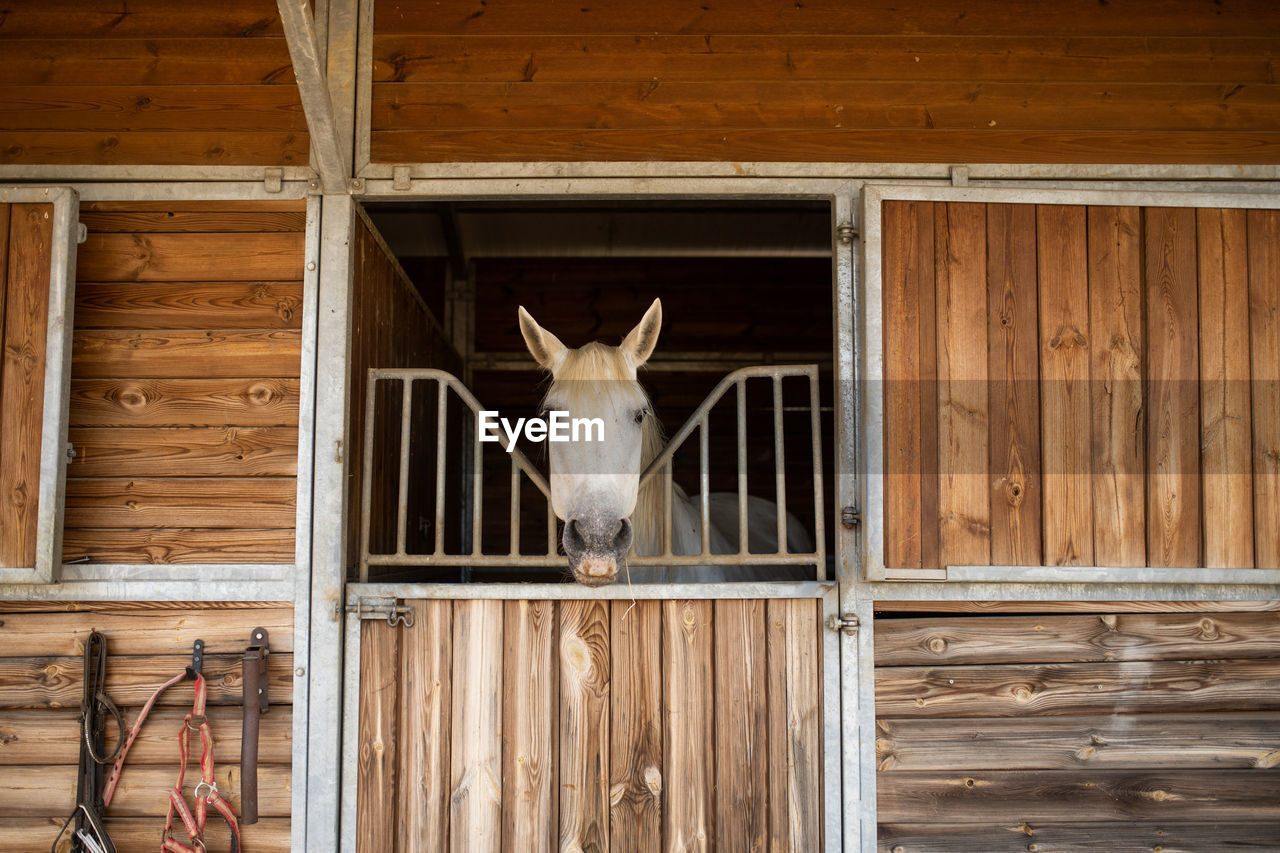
{"points": [[573, 541], [622, 541]]}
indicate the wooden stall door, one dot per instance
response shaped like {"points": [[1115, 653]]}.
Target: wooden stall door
{"points": [[592, 726]]}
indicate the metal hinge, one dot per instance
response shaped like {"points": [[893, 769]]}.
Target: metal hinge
{"points": [[845, 622], [845, 232], [850, 517], [383, 608]]}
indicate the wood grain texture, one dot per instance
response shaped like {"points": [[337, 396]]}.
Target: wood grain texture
{"points": [[1101, 637], [183, 402], [688, 717], [1264, 347], [1225, 417], [206, 305], [140, 633], [964, 500], [426, 657], [22, 368], [903, 284], [21, 835], [1078, 688], [795, 726], [475, 753], [635, 749], [238, 502], [930, 449], [742, 726], [5, 216], [146, 19], [1013, 371], [124, 109], [1113, 742], [41, 737], [178, 545], [377, 735], [192, 452], [584, 725], [1008, 836], [1173, 400], [186, 354], [221, 148], [990, 607], [530, 754], [1115, 377], [1064, 391], [267, 256], [56, 682], [151, 62], [1117, 795]]}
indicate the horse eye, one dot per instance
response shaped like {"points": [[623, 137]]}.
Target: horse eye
{"points": [[640, 413]]}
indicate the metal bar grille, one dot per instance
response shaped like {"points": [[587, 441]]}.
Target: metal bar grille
{"points": [[471, 553]]}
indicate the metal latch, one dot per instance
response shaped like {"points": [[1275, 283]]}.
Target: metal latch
{"points": [[383, 608], [845, 622], [850, 517], [273, 179], [845, 232]]}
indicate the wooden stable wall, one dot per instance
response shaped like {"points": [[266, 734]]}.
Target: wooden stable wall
{"points": [[184, 383], [26, 246], [958, 81], [1110, 731], [148, 82], [592, 725], [41, 671], [1070, 385]]}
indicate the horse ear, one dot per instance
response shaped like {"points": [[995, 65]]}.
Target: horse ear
{"points": [[545, 347], [639, 343]]}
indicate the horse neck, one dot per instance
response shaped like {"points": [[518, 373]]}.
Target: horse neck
{"points": [[646, 521]]}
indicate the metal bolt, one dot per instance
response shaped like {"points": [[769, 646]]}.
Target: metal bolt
{"points": [[300, 671]]}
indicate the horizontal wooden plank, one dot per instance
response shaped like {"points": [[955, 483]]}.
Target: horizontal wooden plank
{"points": [[143, 791], [124, 109], [184, 402], [159, 148], [785, 56], [149, 632], [1078, 688], [1128, 836], [177, 546], [195, 452], [1017, 639], [250, 502], [186, 354], [990, 145], [1115, 742], [819, 104], [270, 256], [236, 220], [947, 17], [24, 834], [143, 18], [196, 205], [153, 62], [49, 736], [163, 305], [1119, 795], [137, 606], [1094, 607], [56, 682]]}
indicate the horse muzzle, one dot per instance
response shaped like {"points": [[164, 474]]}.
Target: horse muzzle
{"points": [[596, 547]]}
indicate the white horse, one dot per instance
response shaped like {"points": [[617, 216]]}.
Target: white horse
{"points": [[595, 484]]}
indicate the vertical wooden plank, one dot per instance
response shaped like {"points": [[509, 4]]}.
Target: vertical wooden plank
{"points": [[1225, 423], [376, 810], [426, 657], [5, 210], [635, 750], [1115, 382], [902, 331], [26, 319], [1173, 398], [741, 747], [584, 725], [963, 495], [687, 717], [530, 709], [1067, 513], [475, 803], [795, 726], [926, 266], [1014, 371], [1264, 346]]}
